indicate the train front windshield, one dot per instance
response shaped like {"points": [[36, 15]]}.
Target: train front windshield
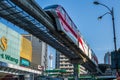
{"points": [[51, 7]]}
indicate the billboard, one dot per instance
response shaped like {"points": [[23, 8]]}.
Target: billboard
{"points": [[10, 42], [26, 49]]}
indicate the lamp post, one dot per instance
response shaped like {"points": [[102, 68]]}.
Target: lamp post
{"points": [[111, 12]]}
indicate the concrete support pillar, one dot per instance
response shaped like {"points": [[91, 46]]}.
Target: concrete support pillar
{"points": [[75, 71]]}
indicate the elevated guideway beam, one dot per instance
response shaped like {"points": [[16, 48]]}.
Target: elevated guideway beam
{"points": [[26, 22], [38, 23], [34, 10]]}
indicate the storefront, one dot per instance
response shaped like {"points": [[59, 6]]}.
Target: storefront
{"points": [[10, 42], [15, 55]]}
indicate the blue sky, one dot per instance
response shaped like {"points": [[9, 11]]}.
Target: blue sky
{"points": [[98, 33]]}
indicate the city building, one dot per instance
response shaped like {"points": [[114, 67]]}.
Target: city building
{"points": [[107, 66], [107, 58], [62, 62], [39, 52], [15, 55]]}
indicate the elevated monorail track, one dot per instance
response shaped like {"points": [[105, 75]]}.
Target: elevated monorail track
{"points": [[28, 15]]}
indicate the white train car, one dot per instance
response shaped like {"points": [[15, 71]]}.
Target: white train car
{"points": [[65, 25]]}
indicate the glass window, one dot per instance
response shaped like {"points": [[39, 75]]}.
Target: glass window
{"points": [[75, 28], [62, 12], [68, 21], [51, 7]]}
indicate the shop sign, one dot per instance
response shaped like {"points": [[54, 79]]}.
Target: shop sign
{"points": [[40, 67], [24, 62], [3, 43], [4, 46], [8, 57]]}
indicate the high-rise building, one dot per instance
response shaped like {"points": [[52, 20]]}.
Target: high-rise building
{"points": [[39, 51], [51, 61], [62, 62], [107, 58]]}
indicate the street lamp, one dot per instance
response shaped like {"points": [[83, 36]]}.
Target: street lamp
{"points": [[111, 12]]}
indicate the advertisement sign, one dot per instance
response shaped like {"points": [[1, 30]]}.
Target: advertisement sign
{"points": [[9, 45], [24, 62], [26, 49], [40, 67]]}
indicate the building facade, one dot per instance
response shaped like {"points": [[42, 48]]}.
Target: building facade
{"points": [[15, 55], [39, 51], [10, 44], [62, 62], [107, 58]]}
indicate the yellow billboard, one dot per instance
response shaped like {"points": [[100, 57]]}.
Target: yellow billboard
{"points": [[26, 49]]}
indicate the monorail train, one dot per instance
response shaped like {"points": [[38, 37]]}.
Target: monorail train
{"points": [[66, 26]]}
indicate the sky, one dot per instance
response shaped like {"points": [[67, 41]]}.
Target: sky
{"points": [[97, 33]]}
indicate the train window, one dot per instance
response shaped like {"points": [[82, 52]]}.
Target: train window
{"points": [[68, 21], [74, 27], [51, 7], [62, 11]]}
